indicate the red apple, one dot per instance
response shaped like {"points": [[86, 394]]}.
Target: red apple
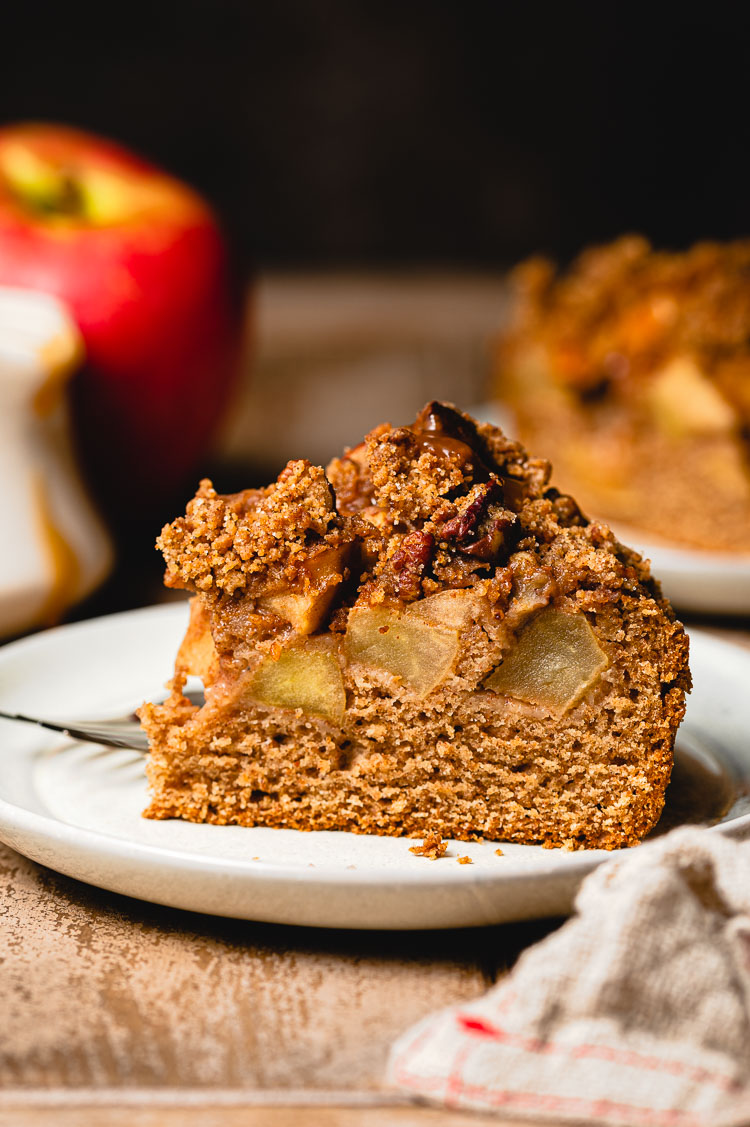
{"points": [[139, 258]]}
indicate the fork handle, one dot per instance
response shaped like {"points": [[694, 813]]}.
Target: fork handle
{"points": [[116, 733]]}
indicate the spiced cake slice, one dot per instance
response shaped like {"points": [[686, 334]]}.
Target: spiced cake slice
{"points": [[425, 637]]}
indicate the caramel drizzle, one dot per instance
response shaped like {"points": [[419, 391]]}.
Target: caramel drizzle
{"points": [[61, 559], [430, 431]]}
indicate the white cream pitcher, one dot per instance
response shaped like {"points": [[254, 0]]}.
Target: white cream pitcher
{"points": [[54, 549]]}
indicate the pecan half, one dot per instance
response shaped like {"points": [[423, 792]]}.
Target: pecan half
{"points": [[484, 528], [466, 523], [409, 562]]}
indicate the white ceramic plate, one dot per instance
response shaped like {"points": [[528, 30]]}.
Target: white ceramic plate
{"points": [[703, 582], [76, 807]]}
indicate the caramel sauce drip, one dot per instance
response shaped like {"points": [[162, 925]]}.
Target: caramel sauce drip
{"points": [[62, 560], [443, 431], [445, 445], [440, 430], [49, 395], [58, 356], [351, 501]]}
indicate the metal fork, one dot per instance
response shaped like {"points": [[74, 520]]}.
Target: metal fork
{"points": [[122, 731]]}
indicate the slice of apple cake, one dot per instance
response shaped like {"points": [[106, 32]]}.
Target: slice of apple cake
{"points": [[425, 637]]}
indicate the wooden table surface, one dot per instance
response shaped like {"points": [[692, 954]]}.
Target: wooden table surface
{"points": [[117, 1012]]}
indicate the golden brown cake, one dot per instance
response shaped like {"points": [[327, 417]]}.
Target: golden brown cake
{"points": [[425, 638], [632, 372]]}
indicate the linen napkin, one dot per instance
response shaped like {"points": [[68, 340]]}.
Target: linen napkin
{"points": [[636, 1011]]}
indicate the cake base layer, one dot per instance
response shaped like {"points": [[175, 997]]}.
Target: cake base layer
{"points": [[541, 810], [462, 766]]}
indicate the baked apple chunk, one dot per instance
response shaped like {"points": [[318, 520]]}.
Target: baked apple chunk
{"points": [[556, 660], [413, 650], [307, 609], [305, 676]]}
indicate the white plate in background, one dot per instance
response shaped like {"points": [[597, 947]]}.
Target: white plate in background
{"points": [[76, 807]]}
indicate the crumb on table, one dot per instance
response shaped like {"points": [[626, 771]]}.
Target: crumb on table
{"points": [[499, 852], [465, 861]]}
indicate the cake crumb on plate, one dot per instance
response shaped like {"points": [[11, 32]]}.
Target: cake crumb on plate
{"points": [[432, 846]]}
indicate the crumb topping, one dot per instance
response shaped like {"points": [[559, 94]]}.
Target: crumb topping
{"points": [[229, 543], [445, 503], [459, 499], [351, 480]]}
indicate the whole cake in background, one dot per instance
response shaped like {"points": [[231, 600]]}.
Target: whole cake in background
{"points": [[425, 638], [631, 371]]}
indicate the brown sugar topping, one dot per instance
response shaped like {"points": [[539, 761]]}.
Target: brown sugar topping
{"points": [[415, 521], [457, 499], [230, 543], [438, 504]]}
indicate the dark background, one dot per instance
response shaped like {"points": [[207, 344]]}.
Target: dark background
{"points": [[467, 133]]}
